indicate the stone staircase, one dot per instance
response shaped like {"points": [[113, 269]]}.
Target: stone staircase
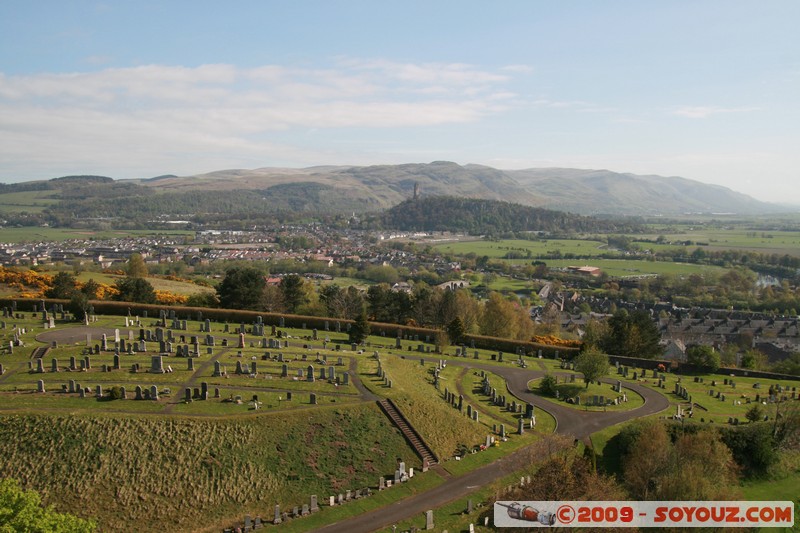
{"points": [[408, 431], [40, 352]]}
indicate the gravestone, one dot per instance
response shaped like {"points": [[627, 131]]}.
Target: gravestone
{"points": [[154, 393], [313, 399], [54, 365], [138, 392], [428, 520], [40, 386], [156, 365], [190, 364], [123, 394]]}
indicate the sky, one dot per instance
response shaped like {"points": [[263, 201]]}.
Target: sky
{"points": [[707, 90]]}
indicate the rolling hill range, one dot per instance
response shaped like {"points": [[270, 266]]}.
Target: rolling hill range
{"points": [[250, 196], [572, 190], [602, 191]]}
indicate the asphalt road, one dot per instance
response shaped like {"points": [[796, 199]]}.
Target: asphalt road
{"points": [[572, 422]]}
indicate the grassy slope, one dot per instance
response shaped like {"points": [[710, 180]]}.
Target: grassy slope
{"points": [[181, 473]]}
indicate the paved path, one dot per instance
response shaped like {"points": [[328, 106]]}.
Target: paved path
{"points": [[579, 424]]}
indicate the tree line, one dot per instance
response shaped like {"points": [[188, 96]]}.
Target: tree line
{"points": [[475, 216]]}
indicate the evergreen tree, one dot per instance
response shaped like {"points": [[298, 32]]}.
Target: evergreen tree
{"points": [[294, 294], [135, 290], [63, 286], [456, 331], [633, 335], [359, 331], [241, 288]]}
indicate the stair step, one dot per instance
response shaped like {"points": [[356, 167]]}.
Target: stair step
{"points": [[408, 431]]}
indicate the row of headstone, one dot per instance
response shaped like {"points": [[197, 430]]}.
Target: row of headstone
{"points": [[682, 392]]}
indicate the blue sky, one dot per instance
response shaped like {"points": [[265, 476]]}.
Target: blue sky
{"points": [[708, 90]]}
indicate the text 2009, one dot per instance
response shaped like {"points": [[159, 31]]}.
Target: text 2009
{"points": [[604, 514]]}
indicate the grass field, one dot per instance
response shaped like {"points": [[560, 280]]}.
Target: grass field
{"points": [[712, 239], [738, 398], [636, 267], [26, 201], [733, 238], [499, 249], [41, 234]]}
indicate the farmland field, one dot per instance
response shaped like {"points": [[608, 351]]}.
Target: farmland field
{"points": [[637, 267], [717, 239], [498, 249], [42, 234], [26, 201]]}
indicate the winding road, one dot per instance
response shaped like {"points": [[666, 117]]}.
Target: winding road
{"points": [[573, 422]]}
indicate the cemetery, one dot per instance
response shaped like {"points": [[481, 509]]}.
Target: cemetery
{"points": [[236, 419]]}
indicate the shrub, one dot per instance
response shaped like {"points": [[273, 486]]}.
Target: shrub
{"points": [[548, 385]]}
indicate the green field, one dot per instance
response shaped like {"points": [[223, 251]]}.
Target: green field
{"points": [[42, 234], [498, 249], [26, 201], [732, 238], [637, 267]]}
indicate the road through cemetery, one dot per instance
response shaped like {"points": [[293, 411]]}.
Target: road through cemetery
{"points": [[573, 422]]}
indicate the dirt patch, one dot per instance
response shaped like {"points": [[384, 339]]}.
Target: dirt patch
{"points": [[75, 335]]}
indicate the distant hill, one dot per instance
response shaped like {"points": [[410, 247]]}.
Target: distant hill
{"points": [[603, 191], [376, 187], [81, 179], [563, 189], [247, 197], [445, 213]]}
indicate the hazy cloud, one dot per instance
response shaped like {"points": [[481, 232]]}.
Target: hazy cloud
{"points": [[707, 111], [161, 113]]}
